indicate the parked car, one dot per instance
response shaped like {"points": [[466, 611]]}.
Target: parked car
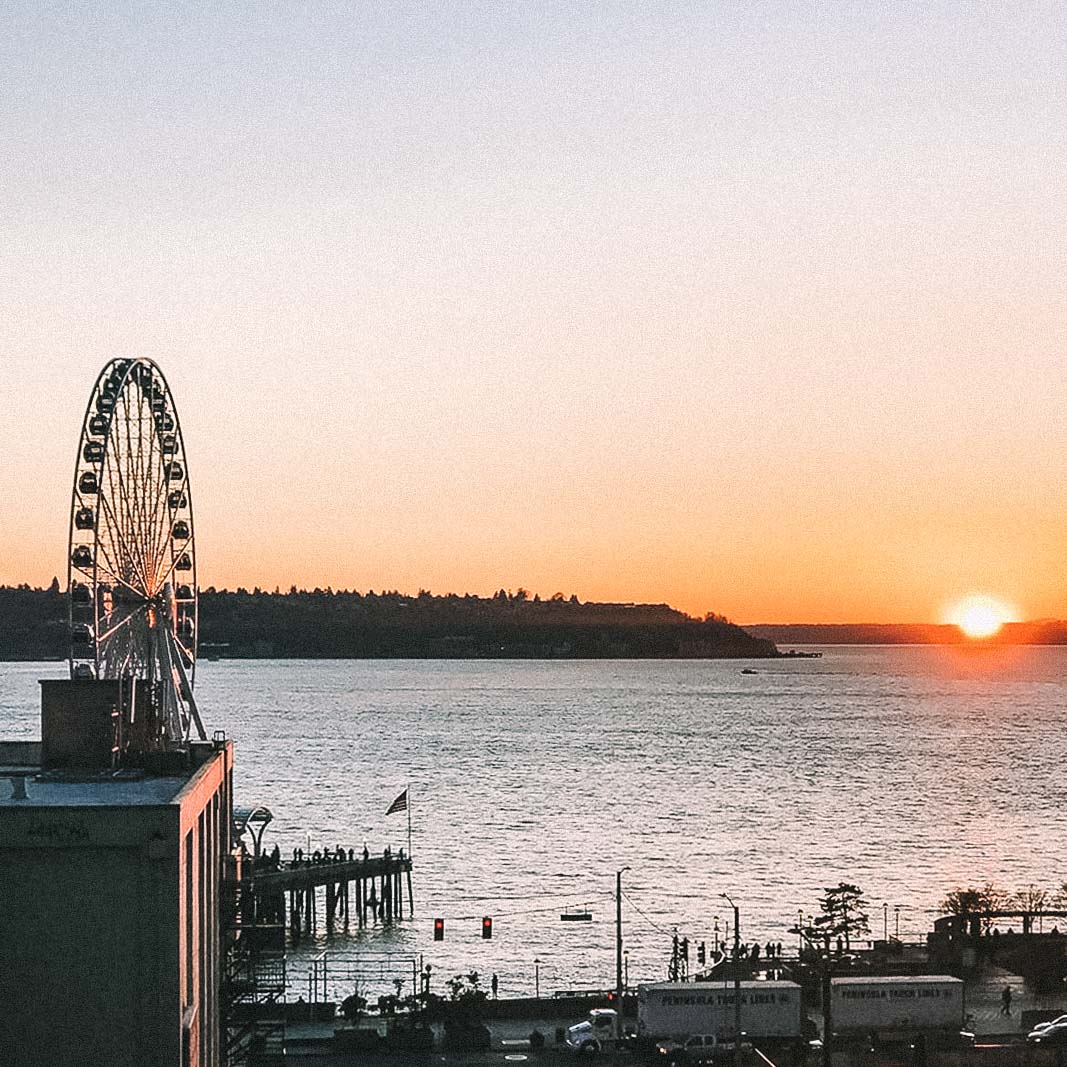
{"points": [[1053, 1034], [1060, 1020]]}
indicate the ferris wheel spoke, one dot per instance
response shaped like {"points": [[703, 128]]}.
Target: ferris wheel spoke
{"points": [[162, 543], [133, 478], [134, 486], [141, 470], [112, 655], [187, 655], [128, 618], [107, 506], [116, 481], [112, 573], [120, 519], [129, 665], [187, 547], [159, 528], [116, 541], [124, 544]]}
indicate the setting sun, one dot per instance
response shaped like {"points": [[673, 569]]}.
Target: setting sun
{"points": [[980, 616]]}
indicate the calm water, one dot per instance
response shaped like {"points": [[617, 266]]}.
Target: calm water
{"points": [[906, 770]]}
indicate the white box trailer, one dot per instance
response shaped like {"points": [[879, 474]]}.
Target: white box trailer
{"points": [[878, 1004], [678, 1009]]}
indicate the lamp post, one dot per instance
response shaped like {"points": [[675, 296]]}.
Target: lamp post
{"points": [[537, 978], [800, 934], [896, 909], [618, 950], [885, 921], [737, 977], [626, 970], [716, 935]]}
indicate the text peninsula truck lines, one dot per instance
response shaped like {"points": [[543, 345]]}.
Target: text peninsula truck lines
{"points": [[917, 1002], [678, 1009]]}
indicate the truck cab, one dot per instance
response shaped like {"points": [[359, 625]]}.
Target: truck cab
{"points": [[595, 1034]]}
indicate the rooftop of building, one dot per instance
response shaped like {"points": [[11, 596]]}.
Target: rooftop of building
{"points": [[63, 789], [129, 786]]}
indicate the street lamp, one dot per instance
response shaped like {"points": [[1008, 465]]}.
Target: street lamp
{"points": [[737, 977], [896, 909], [626, 969], [716, 935], [885, 921], [537, 978]]}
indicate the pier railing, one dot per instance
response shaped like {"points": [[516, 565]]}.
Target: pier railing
{"points": [[374, 887]]}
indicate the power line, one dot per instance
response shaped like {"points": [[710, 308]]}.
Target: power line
{"points": [[653, 924], [510, 914]]}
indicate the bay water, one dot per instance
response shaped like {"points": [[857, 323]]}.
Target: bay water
{"points": [[906, 770]]}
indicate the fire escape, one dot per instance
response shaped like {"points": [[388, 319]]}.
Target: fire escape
{"points": [[253, 979]]}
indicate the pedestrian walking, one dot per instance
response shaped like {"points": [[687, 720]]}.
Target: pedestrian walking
{"points": [[1005, 1001]]}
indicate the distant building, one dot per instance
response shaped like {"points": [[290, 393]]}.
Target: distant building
{"points": [[111, 873]]}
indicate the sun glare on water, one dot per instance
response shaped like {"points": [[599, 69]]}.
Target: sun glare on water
{"points": [[980, 616]]}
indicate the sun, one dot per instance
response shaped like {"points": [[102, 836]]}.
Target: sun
{"points": [[980, 616]]}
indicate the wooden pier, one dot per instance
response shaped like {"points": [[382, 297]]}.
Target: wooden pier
{"points": [[372, 887]]}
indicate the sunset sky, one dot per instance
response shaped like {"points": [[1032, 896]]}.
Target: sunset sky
{"points": [[751, 308]]}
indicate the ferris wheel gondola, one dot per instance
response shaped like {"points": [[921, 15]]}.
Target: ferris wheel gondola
{"points": [[132, 557]]}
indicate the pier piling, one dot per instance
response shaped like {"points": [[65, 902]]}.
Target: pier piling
{"points": [[378, 885]]}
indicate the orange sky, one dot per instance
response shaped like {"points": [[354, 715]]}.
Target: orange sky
{"points": [[747, 311]]}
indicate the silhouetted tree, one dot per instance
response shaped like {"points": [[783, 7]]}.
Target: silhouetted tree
{"points": [[973, 899], [844, 912]]}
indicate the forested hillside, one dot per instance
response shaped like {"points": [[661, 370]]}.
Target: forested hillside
{"points": [[324, 623]]}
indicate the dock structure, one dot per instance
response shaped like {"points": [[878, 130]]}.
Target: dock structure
{"points": [[371, 887]]}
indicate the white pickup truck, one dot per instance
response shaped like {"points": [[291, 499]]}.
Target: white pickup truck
{"points": [[697, 1048]]}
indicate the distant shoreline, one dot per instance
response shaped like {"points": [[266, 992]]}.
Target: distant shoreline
{"points": [[1044, 632]]}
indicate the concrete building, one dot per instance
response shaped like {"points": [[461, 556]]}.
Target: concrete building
{"points": [[111, 872]]}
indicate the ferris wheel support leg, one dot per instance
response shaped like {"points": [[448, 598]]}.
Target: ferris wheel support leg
{"points": [[187, 694]]}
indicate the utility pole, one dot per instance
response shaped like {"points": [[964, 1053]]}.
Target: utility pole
{"points": [[737, 977], [618, 952], [827, 1010], [818, 940]]}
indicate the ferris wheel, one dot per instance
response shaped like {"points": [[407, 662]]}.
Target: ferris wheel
{"points": [[132, 561]]}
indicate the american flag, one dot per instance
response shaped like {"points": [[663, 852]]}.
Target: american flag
{"points": [[400, 804]]}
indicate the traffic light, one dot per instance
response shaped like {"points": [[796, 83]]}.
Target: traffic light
{"points": [[487, 928], [702, 952], [439, 929]]}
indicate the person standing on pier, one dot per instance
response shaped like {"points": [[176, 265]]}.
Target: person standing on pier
{"points": [[1005, 1001]]}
